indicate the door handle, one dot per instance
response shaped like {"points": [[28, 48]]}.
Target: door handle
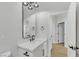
{"points": [[77, 48], [74, 48], [71, 47]]}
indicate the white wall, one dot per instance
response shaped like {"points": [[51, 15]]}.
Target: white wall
{"points": [[59, 18], [43, 18], [10, 26], [52, 30]]}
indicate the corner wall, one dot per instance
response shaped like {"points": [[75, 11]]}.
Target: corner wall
{"points": [[10, 26]]}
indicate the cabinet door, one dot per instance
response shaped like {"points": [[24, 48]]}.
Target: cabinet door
{"points": [[38, 52], [21, 52]]}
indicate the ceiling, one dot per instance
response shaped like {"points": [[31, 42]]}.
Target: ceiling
{"points": [[53, 6]]}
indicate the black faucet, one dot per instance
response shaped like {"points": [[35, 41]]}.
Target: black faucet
{"points": [[31, 37]]}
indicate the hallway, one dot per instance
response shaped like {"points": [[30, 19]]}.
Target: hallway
{"points": [[58, 50]]}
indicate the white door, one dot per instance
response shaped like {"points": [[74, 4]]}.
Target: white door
{"points": [[61, 32], [70, 30]]}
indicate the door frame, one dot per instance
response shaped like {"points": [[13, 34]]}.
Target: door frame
{"points": [[58, 30]]}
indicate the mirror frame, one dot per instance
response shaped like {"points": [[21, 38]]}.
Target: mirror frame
{"points": [[23, 21]]}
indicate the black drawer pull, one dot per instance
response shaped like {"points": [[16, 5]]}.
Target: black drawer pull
{"points": [[26, 54]]}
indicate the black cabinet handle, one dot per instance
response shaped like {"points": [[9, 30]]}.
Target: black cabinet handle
{"points": [[26, 54]]}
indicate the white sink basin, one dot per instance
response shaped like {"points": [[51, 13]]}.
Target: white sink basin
{"points": [[31, 46]]}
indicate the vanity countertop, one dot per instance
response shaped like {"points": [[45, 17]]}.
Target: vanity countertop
{"points": [[31, 46]]}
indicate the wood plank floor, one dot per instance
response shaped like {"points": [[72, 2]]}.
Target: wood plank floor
{"points": [[58, 50]]}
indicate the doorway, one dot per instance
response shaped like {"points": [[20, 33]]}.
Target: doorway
{"points": [[61, 32], [58, 49]]}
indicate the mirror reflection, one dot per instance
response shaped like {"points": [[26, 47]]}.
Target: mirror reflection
{"points": [[29, 19]]}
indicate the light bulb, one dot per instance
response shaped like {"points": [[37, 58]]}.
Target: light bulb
{"points": [[36, 5], [30, 7], [25, 3]]}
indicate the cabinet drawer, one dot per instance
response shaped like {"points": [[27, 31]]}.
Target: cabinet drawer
{"points": [[24, 53]]}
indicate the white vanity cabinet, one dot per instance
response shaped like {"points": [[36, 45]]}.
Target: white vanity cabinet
{"points": [[45, 49], [40, 51]]}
